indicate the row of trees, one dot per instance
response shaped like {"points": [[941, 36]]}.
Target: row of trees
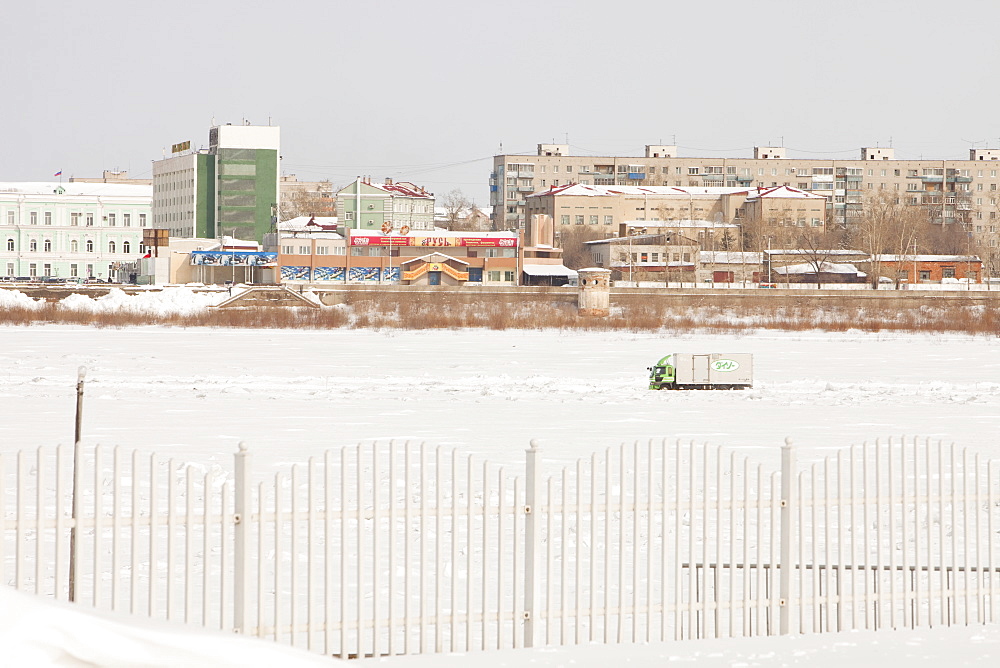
{"points": [[885, 226]]}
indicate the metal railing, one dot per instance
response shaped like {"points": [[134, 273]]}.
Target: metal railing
{"points": [[402, 548]]}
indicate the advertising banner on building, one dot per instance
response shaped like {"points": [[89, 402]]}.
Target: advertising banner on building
{"points": [[431, 241], [233, 259]]}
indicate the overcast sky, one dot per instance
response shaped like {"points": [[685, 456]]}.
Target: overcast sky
{"points": [[427, 91]]}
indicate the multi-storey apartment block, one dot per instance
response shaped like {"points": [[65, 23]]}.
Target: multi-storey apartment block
{"points": [[363, 205], [71, 230], [709, 209], [963, 191], [230, 188]]}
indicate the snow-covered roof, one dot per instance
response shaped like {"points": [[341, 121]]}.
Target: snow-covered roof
{"points": [[729, 257], [635, 238], [75, 188], [783, 192], [815, 253], [308, 223], [404, 188], [547, 270], [438, 233], [824, 267], [303, 234], [614, 191], [232, 243], [425, 258], [926, 258], [680, 224]]}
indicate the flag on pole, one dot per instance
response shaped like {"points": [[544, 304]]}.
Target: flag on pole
{"points": [[59, 173]]}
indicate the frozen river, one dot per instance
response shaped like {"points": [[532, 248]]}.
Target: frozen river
{"points": [[195, 393]]}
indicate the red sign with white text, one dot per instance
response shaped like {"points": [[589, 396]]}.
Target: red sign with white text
{"points": [[430, 241]]}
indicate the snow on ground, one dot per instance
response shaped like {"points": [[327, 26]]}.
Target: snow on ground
{"points": [[175, 301], [923, 648], [38, 633], [195, 393]]}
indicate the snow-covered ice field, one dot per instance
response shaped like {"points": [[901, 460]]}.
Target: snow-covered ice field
{"points": [[194, 394], [289, 394]]}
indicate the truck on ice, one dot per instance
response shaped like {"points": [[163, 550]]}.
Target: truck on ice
{"points": [[709, 371]]}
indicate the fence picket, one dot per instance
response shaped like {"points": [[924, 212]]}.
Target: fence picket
{"points": [[588, 551]]}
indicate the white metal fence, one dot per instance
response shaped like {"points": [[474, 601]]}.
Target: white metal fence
{"points": [[403, 548]]}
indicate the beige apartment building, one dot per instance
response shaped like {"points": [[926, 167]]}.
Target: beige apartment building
{"points": [[784, 206], [608, 207], [963, 191], [706, 213]]}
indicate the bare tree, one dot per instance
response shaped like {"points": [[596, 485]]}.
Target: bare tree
{"points": [[458, 209], [576, 253], [818, 247], [887, 226], [305, 202]]}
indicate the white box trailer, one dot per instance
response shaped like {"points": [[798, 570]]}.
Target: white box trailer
{"points": [[708, 371]]}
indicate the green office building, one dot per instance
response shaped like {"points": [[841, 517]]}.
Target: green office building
{"points": [[228, 189]]}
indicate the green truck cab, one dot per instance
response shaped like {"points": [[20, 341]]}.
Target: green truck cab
{"points": [[662, 374]]}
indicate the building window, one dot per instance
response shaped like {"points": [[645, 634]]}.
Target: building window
{"points": [[10, 268], [32, 269], [593, 220], [46, 270], [73, 270], [33, 217], [304, 250], [90, 271], [10, 244], [74, 246], [47, 245], [126, 220], [564, 219], [126, 247], [33, 245], [142, 220], [10, 217], [90, 246], [578, 219], [609, 220], [90, 220], [947, 272], [111, 220], [111, 246], [48, 220]]}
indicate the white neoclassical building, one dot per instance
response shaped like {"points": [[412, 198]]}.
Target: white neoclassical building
{"points": [[71, 229]]}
